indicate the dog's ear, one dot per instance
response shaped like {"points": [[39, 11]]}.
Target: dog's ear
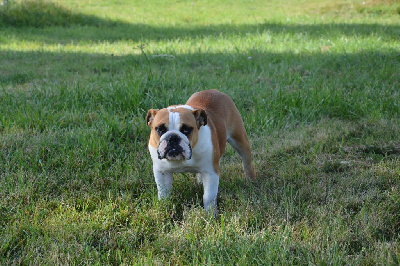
{"points": [[200, 116], [150, 116]]}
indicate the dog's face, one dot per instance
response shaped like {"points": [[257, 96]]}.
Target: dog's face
{"points": [[174, 131]]}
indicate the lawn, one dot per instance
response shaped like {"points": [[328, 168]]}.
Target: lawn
{"points": [[318, 86]]}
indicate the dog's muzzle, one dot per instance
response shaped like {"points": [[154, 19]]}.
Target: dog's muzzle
{"points": [[174, 147]]}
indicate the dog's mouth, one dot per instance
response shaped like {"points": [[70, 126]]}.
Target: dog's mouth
{"points": [[174, 148], [173, 155]]}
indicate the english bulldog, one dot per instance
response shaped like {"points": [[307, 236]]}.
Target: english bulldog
{"points": [[192, 138]]}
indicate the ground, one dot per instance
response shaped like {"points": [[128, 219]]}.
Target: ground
{"points": [[317, 84]]}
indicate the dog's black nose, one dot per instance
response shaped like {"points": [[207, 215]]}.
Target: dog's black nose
{"points": [[173, 139]]}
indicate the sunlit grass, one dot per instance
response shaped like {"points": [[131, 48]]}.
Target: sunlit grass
{"points": [[317, 83]]}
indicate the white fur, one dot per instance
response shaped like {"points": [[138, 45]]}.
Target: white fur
{"points": [[164, 183], [181, 106], [201, 162], [174, 120]]}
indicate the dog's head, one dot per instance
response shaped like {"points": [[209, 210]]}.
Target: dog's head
{"points": [[174, 131]]}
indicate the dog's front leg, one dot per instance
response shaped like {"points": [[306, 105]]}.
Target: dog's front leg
{"points": [[210, 184], [164, 184]]}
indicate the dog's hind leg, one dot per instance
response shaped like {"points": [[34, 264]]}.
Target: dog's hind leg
{"points": [[239, 141]]}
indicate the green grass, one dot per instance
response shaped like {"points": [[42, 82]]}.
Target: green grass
{"points": [[318, 86]]}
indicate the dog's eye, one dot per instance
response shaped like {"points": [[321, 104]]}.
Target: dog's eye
{"points": [[161, 130], [186, 130]]}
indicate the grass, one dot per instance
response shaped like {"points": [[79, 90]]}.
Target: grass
{"points": [[317, 84]]}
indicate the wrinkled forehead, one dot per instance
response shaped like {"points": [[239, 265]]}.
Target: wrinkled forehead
{"points": [[173, 117], [184, 113]]}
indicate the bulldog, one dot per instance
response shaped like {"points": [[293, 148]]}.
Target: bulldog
{"points": [[192, 138]]}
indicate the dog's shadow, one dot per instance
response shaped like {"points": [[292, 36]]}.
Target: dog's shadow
{"points": [[187, 193]]}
